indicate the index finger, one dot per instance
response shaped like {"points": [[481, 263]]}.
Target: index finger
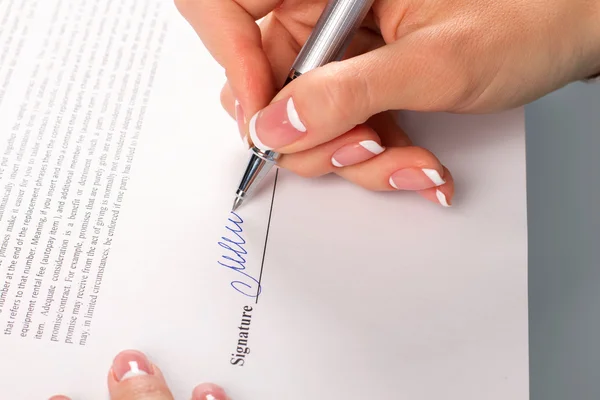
{"points": [[229, 31]]}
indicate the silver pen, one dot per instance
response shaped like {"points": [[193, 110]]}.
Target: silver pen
{"points": [[327, 42]]}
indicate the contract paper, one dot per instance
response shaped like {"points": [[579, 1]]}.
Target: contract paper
{"points": [[118, 168]]}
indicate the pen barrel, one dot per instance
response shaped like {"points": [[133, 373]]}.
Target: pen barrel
{"points": [[258, 167], [332, 33]]}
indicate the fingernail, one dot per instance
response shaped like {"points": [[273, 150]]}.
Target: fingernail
{"points": [[276, 125], [130, 363], [209, 391], [416, 179], [240, 119], [354, 153], [442, 198]]}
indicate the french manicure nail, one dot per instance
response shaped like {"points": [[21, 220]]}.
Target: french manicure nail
{"points": [[442, 198], [130, 363], [209, 391], [416, 179], [276, 126], [355, 153]]}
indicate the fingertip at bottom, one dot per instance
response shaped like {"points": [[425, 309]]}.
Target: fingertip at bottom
{"points": [[59, 397], [209, 391]]}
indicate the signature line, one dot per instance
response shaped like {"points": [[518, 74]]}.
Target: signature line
{"points": [[262, 264]]}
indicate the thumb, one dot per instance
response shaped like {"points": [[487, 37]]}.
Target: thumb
{"points": [[331, 100], [133, 377]]}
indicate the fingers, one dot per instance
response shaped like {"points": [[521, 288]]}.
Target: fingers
{"points": [[398, 168], [229, 31], [377, 156], [318, 120], [360, 157], [407, 168], [209, 391], [327, 102], [281, 48], [356, 146], [393, 136], [133, 377]]}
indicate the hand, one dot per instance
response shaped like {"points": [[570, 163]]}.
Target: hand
{"points": [[458, 56], [133, 377]]}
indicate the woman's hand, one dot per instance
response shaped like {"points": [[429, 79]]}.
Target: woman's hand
{"points": [[133, 377], [458, 56]]}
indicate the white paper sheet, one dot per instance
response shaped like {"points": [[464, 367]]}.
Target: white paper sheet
{"points": [[363, 295]]}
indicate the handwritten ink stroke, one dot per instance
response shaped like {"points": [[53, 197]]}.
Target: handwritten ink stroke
{"points": [[234, 257]]}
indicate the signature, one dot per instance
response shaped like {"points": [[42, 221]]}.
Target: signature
{"points": [[234, 257]]}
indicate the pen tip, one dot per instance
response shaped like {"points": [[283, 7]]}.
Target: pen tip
{"points": [[236, 203]]}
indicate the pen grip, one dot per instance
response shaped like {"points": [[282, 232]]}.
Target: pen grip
{"points": [[332, 34]]}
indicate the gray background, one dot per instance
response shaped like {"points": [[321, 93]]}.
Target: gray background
{"points": [[563, 181]]}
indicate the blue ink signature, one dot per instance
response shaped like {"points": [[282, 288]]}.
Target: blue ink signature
{"points": [[234, 258]]}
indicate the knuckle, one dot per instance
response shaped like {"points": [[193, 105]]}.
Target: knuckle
{"points": [[345, 94], [461, 47], [226, 100], [460, 86], [424, 158], [392, 20], [452, 78]]}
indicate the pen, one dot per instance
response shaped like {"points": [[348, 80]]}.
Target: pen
{"points": [[327, 42]]}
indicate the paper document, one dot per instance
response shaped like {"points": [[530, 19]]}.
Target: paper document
{"points": [[118, 168]]}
